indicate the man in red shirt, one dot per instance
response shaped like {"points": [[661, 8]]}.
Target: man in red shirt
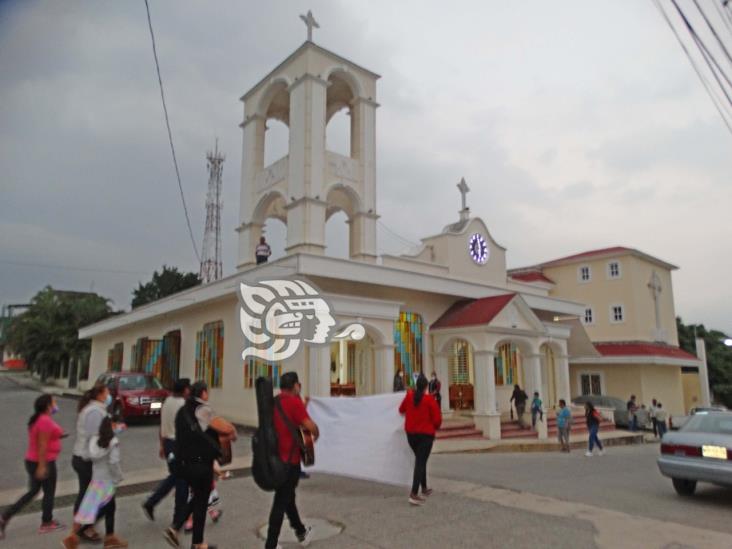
{"points": [[289, 403]]}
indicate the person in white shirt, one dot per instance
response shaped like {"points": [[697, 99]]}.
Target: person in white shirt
{"points": [[262, 251], [181, 391], [660, 420], [652, 414]]}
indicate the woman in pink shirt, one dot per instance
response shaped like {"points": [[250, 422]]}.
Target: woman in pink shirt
{"points": [[44, 446]]}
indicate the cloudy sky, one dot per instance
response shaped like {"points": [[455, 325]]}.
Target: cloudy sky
{"points": [[577, 124]]}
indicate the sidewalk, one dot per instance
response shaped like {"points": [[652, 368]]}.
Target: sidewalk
{"points": [[24, 379]]}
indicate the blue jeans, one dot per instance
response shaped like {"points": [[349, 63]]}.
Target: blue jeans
{"points": [[634, 423], [594, 439], [170, 482], [661, 426]]}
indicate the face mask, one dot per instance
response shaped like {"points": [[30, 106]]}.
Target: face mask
{"points": [[119, 428], [108, 400], [54, 409]]}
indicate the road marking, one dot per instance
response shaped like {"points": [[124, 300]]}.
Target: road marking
{"points": [[612, 528]]}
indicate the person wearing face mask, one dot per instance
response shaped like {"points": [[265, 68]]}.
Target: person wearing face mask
{"points": [[44, 446], [93, 408], [434, 387], [398, 381]]}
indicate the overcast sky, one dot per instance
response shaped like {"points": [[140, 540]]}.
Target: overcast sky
{"points": [[577, 125]]}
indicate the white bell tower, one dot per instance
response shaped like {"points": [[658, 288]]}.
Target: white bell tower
{"points": [[305, 187]]}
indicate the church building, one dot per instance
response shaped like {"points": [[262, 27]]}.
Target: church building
{"points": [[452, 307]]}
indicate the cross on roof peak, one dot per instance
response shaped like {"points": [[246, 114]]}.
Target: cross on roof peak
{"points": [[464, 190], [311, 23]]}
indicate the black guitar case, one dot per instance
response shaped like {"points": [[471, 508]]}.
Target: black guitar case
{"points": [[268, 470]]}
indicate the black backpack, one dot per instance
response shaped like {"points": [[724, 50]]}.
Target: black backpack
{"points": [[268, 470]]}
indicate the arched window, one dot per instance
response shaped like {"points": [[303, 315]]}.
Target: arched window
{"points": [[460, 363], [408, 333]]}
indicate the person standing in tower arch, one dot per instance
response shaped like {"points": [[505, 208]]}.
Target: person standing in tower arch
{"points": [[262, 251]]}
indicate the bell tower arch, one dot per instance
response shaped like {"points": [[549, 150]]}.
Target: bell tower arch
{"points": [[309, 184]]}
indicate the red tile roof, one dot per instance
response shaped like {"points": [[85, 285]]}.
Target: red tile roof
{"points": [[532, 276], [471, 312], [641, 348]]}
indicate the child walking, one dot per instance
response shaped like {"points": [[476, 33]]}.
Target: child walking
{"points": [[564, 425], [99, 500], [593, 424], [536, 409]]}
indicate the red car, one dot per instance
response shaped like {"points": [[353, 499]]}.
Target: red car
{"points": [[134, 394]]}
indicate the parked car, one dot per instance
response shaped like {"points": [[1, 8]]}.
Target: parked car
{"points": [[619, 407], [700, 451], [677, 422], [134, 394]]}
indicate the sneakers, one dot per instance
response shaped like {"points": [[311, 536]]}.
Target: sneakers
{"points": [[171, 536], [53, 526], [306, 537], [149, 511], [588, 454], [111, 541], [427, 492], [414, 499]]}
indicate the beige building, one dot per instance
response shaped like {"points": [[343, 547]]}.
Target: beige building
{"points": [[630, 319]]}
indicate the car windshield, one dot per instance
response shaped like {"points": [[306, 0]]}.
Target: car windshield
{"points": [[709, 423], [135, 383]]}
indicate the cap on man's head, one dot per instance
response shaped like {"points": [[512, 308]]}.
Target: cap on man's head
{"points": [[288, 380]]}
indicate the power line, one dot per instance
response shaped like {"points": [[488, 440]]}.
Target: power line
{"points": [[720, 108], [170, 134], [69, 268], [397, 235]]}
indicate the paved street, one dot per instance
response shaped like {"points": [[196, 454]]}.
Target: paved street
{"points": [[482, 500], [139, 442]]}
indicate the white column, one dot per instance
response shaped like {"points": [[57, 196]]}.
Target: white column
{"points": [[441, 369], [486, 416], [251, 163], [384, 358], [701, 352], [533, 383], [319, 371], [563, 384]]}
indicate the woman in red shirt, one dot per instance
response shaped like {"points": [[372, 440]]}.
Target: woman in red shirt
{"points": [[44, 446], [422, 417]]}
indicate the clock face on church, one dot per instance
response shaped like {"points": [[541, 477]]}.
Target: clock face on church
{"points": [[478, 248]]}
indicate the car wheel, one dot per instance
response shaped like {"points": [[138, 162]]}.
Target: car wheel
{"points": [[684, 487], [117, 412]]}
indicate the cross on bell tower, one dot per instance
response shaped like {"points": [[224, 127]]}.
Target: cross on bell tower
{"points": [[464, 190], [655, 286], [310, 22]]}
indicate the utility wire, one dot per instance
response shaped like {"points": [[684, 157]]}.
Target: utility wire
{"points": [[170, 134], [724, 15], [720, 108], [394, 233], [714, 31]]}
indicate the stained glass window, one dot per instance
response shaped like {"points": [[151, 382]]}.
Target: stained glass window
{"points": [[147, 356], [171, 359], [408, 334], [114, 358], [210, 353], [256, 367], [506, 365]]}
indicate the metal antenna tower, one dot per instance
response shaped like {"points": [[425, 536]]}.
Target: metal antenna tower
{"points": [[211, 252]]}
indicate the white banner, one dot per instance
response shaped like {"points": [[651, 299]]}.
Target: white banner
{"points": [[362, 437]]}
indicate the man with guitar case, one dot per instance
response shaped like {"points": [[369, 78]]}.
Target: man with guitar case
{"points": [[276, 452]]}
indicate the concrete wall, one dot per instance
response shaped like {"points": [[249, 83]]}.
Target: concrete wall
{"points": [[691, 386]]}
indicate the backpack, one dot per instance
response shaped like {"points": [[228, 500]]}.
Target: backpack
{"points": [[268, 469]]}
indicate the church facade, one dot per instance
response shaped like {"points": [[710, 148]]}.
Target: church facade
{"points": [[453, 307]]}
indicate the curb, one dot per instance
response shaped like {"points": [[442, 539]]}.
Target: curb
{"points": [[547, 446], [34, 385]]}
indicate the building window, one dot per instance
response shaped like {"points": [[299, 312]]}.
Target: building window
{"points": [[617, 315], [210, 354], [256, 367], [147, 356], [613, 269], [114, 358], [590, 384], [408, 335], [506, 364], [171, 359], [460, 363], [589, 316], [584, 273]]}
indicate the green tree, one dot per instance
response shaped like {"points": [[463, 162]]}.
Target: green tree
{"points": [[167, 282], [719, 357], [46, 334]]}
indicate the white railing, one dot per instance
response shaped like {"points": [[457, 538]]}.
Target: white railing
{"points": [[342, 167], [272, 174]]}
